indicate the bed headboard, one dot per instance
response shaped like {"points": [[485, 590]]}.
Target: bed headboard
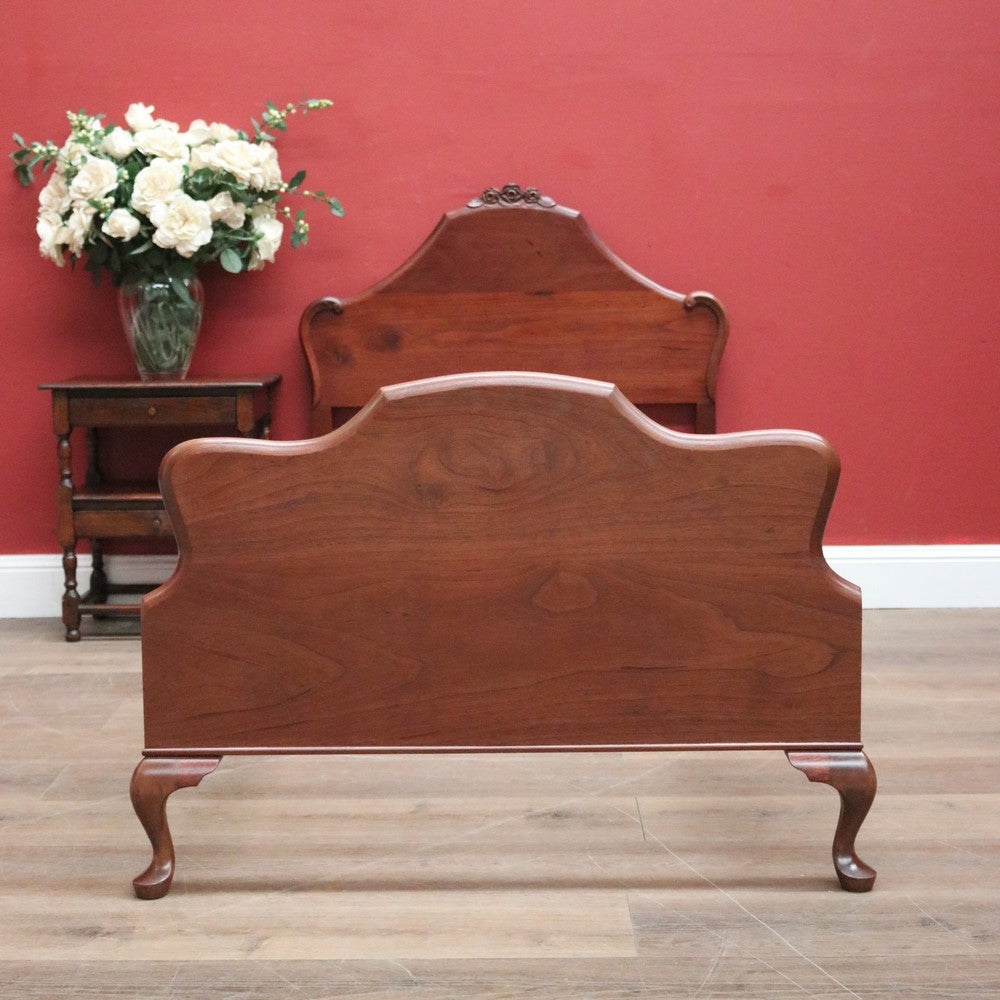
{"points": [[514, 282]]}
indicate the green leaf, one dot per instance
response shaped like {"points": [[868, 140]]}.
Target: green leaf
{"points": [[296, 182], [231, 261], [97, 253], [19, 140], [336, 208], [180, 290]]}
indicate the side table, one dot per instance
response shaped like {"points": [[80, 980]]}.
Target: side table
{"points": [[99, 509]]}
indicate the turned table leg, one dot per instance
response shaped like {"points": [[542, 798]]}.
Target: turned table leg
{"points": [[71, 596], [154, 779], [98, 575], [67, 537], [852, 774]]}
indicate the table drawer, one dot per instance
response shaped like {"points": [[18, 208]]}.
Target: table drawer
{"points": [[141, 523], [152, 410]]}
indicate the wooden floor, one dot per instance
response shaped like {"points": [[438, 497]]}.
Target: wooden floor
{"points": [[570, 876]]}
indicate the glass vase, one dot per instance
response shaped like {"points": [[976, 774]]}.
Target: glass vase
{"points": [[161, 317]]}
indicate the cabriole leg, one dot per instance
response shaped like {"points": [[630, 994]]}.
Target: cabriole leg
{"points": [[153, 780], [852, 774]]}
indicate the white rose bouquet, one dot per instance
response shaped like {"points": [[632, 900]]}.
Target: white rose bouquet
{"points": [[148, 203], [150, 199]]}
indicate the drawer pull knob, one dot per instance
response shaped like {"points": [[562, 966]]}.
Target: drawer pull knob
{"points": [[157, 523], [152, 411]]}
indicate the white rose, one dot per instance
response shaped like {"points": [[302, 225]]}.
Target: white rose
{"points": [[140, 116], [197, 132], [78, 228], [94, 179], [224, 209], [118, 143], [201, 156], [54, 197], [162, 142], [157, 183], [121, 224], [182, 224], [239, 158], [270, 171], [49, 226], [220, 132], [269, 229]]}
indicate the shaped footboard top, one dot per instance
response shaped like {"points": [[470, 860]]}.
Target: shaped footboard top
{"points": [[501, 561]]}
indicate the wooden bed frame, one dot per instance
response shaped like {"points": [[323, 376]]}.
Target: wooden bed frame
{"points": [[515, 282], [501, 561]]}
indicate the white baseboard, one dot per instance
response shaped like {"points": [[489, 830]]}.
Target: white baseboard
{"points": [[890, 576], [921, 576], [31, 586]]}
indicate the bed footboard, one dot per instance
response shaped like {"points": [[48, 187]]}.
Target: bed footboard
{"points": [[503, 561]]}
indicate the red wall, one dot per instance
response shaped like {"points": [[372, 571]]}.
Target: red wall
{"points": [[828, 169]]}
